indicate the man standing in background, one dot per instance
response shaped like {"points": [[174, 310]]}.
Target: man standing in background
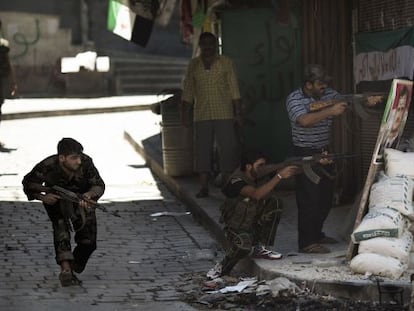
{"points": [[211, 83], [6, 71]]}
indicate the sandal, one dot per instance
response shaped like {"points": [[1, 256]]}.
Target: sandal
{"points": [[315, 249], [327, 240]]}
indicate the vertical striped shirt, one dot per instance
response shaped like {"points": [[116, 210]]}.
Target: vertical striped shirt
{"points": [[317, 136], [212, 90]]}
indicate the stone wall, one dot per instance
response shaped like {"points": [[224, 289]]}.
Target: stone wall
{"points": [[43, 31]]}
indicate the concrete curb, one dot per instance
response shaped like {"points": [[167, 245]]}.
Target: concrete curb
{"points": [[364, 290], [199, 213], [66, 112]]}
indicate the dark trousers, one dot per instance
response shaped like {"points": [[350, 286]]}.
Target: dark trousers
{"points": [[85, 238], [222, 132], [1, 95], [314, 201]]}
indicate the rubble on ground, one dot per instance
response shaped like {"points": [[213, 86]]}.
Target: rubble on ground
{"points": [[230, 293]]}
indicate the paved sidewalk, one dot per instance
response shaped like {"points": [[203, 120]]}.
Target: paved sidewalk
{"points": [[329, 274]]}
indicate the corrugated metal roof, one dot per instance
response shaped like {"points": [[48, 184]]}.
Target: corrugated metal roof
{"points": [[381, 15]]}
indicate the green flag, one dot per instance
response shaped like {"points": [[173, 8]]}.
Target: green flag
{"points": [[132, 21], [384, 55], [121, 18]]}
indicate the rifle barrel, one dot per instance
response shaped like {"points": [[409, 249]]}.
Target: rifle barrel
{"points": [[300, 161]]}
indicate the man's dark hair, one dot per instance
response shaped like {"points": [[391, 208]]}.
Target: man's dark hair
{"points": [[207, 35], [249, 157], [68, 146], [314, 72]]}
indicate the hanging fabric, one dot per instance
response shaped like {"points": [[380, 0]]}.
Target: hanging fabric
{"points": [[165, 12]]}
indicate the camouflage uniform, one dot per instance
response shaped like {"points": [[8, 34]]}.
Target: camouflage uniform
{"points": [[49, 173], [247, 222]]}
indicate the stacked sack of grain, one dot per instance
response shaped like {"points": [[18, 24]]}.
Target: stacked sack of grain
{"points": [[384, 238]]}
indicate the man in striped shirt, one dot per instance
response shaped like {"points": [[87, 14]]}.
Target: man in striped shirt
{"points": [[311, 133], [210, 85]]}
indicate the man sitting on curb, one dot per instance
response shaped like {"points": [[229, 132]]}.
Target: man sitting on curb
{"points": [[251, 213]]}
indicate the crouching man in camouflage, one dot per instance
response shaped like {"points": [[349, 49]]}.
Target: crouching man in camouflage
{"points": [[251, 213], [73, 170]]}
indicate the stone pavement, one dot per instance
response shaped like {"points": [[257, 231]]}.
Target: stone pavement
{"points": [[327, 274], [139, 259], [134, 263]]}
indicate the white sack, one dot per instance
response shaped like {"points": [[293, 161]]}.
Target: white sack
{"points": [[411, 261], [398, 248], [379, 265], [379, 222], [393, 192], [398, 163]]}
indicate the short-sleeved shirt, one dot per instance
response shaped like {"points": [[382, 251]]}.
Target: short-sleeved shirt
{"points": [[316, 136], [211, 90], [233, 187], [49, 173], [237, 181]]}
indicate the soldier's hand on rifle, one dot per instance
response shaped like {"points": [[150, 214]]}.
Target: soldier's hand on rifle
{"points": [[288, 171], [49, 198], [325, 161], [373, 100], [338, 108], [87, 201], [84, 203]]}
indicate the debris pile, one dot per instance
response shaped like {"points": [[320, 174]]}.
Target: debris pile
{"points": [[229, 293]]}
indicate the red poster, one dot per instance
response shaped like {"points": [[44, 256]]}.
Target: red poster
{"points": [[394, 117]]}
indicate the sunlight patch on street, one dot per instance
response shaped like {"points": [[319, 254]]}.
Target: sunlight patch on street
{"points": [[102, 135]]}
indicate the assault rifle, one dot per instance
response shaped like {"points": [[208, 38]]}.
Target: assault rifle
{"points": [[76, 198], [306, 163], [368, 100]]}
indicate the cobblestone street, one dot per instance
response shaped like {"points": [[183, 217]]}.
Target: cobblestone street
{"points": [[139, 258]]}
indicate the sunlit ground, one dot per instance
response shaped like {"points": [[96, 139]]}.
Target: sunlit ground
{"points": [[42, 104], [123, 170]]}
